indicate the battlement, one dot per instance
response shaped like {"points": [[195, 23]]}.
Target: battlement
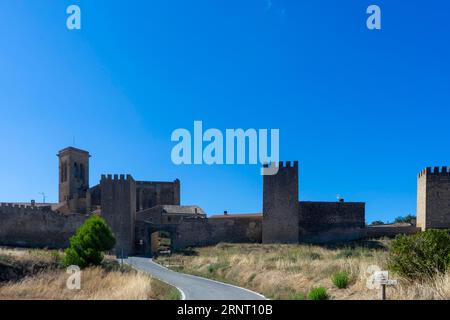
{"points": [[155, 183], [434, 171], [116, 178], [282, 165], [12, 208]]}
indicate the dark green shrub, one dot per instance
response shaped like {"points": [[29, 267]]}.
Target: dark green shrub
{"points": [[89, 242], [318, 294], [420, 255], [340, 280], [406, 219]]}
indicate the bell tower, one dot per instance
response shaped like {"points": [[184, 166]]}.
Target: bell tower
{"points": [[73, 175]]}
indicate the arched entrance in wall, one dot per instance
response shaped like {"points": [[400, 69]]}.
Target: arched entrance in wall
{"points": [[156, 239], [160, 242]]}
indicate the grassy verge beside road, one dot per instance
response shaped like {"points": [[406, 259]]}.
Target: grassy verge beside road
{"points": [[37, 274], [291, 271]]}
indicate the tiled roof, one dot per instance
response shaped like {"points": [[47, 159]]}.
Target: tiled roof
{"points": [[182, 209]]}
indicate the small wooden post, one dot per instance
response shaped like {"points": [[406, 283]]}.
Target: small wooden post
{"points": [[381, 278], [383, 292]]}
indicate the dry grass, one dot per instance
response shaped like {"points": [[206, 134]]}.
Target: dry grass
{"points": [[97, 284], [21, 256], [290, 271], [100, 283]]}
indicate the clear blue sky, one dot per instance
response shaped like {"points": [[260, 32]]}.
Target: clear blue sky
{"points": [[363, 111]]}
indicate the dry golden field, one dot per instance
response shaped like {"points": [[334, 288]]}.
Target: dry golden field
{"points": [[46, 280], [290, 271]]}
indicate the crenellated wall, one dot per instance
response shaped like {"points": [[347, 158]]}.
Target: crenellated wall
{"points": [[118, 198], [31, 226]]}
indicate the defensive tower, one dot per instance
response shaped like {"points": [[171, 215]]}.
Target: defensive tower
{"points": [[433, 198], [280, 205]]}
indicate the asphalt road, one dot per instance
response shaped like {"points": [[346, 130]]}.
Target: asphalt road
{"points": [[192, 287]]}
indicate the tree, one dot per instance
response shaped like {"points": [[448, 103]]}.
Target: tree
{"points": [[89, 242], [377, 223], [406, 219]]}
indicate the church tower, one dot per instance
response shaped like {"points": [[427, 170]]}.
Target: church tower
{"points": [[73, 175]]}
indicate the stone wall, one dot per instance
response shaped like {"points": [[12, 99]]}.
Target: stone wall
{"points": [[203, 232], [169, 214], [37, 227], [94, 197], [389, 230], [152, 215], [331, 221], [150, 194], [280, 205]]}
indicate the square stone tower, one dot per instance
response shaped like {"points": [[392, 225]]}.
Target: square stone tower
{"points": [[73, 175], [118, 194], [433, 198], [281, 205]]}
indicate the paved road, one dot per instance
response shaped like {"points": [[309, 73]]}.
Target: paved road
{"points": [[192, 287]]}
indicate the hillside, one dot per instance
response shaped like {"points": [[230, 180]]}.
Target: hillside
{"points": [[290, 271], [37, 275]]}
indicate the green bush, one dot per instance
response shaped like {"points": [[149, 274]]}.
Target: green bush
{"points": [[89, 242], [420, 255], [318, 294], [340, 280], [406, 219]]}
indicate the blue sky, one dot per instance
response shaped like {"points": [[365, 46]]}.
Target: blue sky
{"points": [[363, 111]]}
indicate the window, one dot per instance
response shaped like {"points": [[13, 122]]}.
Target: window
{"points": [[75, 170], [64, 172], [81, 171]]}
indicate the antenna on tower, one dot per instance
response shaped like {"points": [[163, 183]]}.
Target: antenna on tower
{"points": [[43, 196]]}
